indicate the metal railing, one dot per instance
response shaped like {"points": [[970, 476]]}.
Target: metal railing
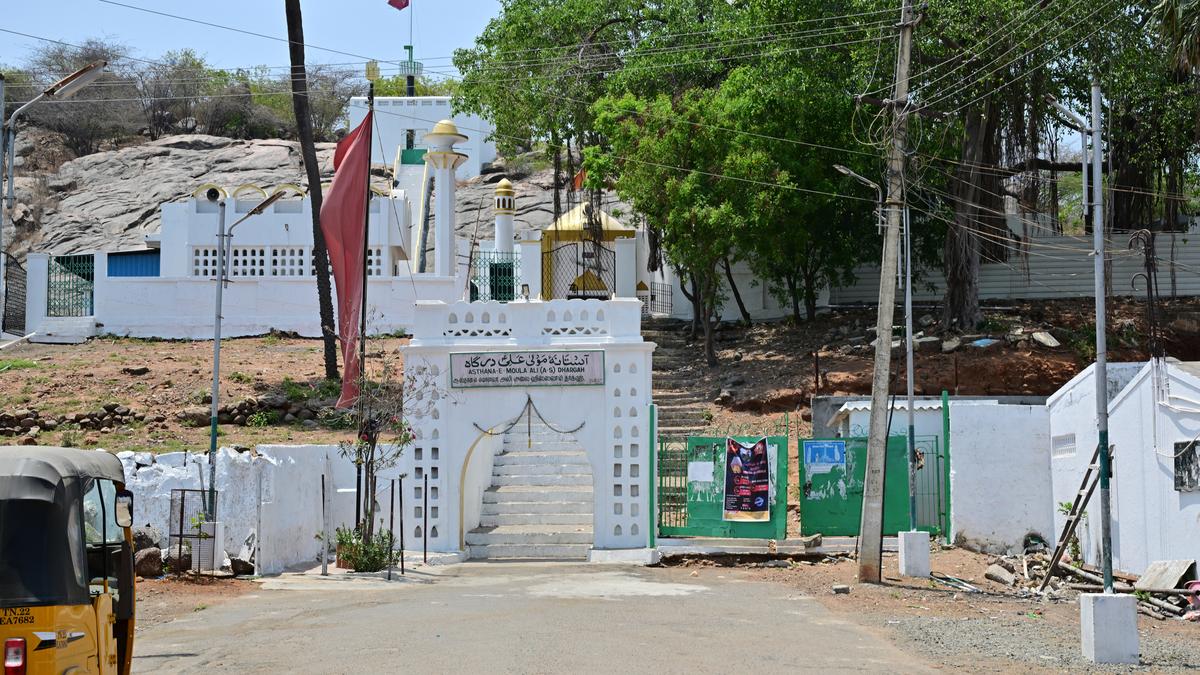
{"points": [[70, 285], [495, 276]]}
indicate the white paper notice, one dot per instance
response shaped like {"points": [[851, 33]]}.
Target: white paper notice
{"points": [[700, 472]]}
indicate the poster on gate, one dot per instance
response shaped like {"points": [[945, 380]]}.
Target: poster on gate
{"points": [[747, 481]]}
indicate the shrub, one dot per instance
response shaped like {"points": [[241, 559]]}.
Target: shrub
{"points": [[262, 419], [372, 555], [242, 378]]}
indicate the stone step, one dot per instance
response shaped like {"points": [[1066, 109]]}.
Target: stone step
{"points": [[559, 520], [562, 457], [547, 480], [539, 552], [523, 445], [573, 507], [539, 469], [538, 493], [526, 535]]}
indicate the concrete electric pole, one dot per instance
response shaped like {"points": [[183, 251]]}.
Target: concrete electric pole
{"points": [[870, 549], [1101, 372]]}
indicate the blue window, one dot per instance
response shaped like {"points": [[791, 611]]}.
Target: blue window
{"points": [[133, 264]]}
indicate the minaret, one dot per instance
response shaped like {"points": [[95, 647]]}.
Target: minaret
{"points": [[505, 210], [442, 160]]}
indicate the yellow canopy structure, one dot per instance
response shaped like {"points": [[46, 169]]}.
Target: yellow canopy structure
{"points": [[575, 263]]}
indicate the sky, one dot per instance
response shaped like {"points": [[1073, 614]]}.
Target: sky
{"points": [[367, 28]]}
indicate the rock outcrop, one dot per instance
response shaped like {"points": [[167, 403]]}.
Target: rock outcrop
{"points": [[110, 200]]}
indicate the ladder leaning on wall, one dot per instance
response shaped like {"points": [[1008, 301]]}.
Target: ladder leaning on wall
{"points": [[1090, 478]]}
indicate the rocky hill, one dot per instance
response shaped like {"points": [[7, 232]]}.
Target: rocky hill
{"points": [[110, 200]]}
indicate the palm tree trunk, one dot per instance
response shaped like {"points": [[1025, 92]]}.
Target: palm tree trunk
{"points": [[308, 151]]}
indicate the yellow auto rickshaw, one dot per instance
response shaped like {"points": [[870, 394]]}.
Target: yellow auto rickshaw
{"points": [[66, 562]]}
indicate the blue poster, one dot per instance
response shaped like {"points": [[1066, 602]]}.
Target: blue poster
{"points": [[823, 456]]}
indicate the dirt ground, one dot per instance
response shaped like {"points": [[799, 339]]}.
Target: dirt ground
{"points": [[994, 632], [63, 379], [169, 598], [768, 370]]}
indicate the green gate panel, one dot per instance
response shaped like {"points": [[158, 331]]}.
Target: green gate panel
{"points": [[703, 500], [831, 492]]}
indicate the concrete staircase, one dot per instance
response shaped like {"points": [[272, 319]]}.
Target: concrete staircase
{"points": [[65, 330], [540, 502], [681, 408]]}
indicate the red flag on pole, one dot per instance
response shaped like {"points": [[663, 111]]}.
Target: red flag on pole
{"points": [[398, 4], [344, 224]]}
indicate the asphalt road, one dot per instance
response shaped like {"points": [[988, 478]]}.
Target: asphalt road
{"points": [[521, 618]]}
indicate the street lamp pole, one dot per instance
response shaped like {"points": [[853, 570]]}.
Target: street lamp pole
{"points": [[223, 241], [63, 89]]}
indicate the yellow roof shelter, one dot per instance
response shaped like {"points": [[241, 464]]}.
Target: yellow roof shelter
{"points": [[565, 265]]}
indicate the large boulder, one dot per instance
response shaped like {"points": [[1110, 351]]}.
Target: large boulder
{"points": [[145, 537], [172, 561], [148, 562]]}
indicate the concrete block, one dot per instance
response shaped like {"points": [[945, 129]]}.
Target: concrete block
{"points": [[1108, 628], [914, 554], [626, 556]]}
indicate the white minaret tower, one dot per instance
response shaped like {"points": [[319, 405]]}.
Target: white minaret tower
{"points": [[442, 160], [506, 208]]}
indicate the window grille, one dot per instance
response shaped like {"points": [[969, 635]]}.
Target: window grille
{"points": [[290, 261], [1187, 467], [1062, 446]]}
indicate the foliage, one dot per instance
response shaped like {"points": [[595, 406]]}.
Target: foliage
{"points": [[240, 377], [367, 553], [262, 418], [16, 364]]}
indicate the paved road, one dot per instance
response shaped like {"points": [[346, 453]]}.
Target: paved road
{"points": [[521, 618]]}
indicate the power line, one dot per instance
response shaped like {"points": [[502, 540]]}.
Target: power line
{"points": [[1027, 71]]}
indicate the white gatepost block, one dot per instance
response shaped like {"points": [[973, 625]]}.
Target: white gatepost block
{"points": [[914, 554], [1108, 627]]}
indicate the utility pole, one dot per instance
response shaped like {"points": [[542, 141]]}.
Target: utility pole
{"points": [[1101, 371], [870, 550]]}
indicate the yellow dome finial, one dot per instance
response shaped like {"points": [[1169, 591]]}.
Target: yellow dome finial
{"points": [[506, 202]]}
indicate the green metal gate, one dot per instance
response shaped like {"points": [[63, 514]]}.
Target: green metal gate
{"points": [[691, 489], [70, 285], [832, 472], [495, 276]]}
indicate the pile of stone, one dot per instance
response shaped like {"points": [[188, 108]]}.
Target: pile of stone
{"points": [[857, 338], [30, 422], [278, 408]]}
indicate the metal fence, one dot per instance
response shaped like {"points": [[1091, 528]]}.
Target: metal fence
{"points": [[586, 269], [189, 510], [661, 299], [14, 296], [70, 285], [495, 276]]}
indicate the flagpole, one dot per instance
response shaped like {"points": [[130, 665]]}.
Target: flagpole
{"points": [[363, 429]]}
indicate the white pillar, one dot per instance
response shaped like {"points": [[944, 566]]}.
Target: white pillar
{"points": [[1108, 627], [531, 267], [442, 161], [505, 208], [914, 554], [37, 288], [626, 267]]}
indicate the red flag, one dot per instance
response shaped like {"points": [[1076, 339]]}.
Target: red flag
{"points": [[344, 224], [398, 4]]}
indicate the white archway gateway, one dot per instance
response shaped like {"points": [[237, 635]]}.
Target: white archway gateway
{"points": [[582, 364]]}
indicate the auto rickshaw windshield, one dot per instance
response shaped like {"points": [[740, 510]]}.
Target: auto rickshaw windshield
{"points": [[42, 559]]}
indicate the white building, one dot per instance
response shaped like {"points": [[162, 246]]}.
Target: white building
{"points": [[401, 123], [1154, 421]]}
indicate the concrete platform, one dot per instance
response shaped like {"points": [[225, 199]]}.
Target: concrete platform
{"points": [[674, 546]]}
